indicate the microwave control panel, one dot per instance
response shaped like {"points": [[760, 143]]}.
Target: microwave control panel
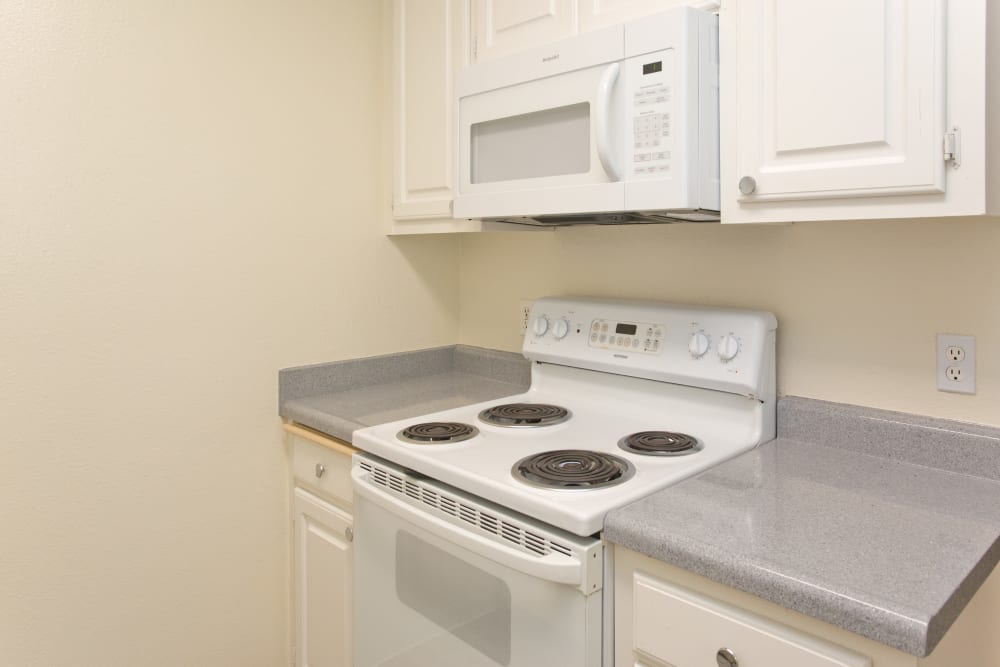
{"points": [[652, 92]]}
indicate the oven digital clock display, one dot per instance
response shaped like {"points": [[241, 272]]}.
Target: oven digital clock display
{"points": [[642, 337]]}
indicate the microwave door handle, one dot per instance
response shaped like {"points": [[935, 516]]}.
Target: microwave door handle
{"points": [[555, 568], [602, 119]]}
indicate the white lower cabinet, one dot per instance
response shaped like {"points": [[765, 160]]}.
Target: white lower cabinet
{"points": [[322, 549], [678, 626], [669, 617], [322, 582]]}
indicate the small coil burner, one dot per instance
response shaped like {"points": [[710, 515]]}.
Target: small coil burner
{"points": [[572, 469], [660, 443], [437, 433], [524, 415]]}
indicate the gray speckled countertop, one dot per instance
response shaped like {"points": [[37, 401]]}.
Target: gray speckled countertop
{"points": [[340, 397], [881, 523]]}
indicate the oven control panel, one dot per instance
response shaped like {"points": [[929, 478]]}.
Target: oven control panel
{"points": [[716, 348], [644, 337]]}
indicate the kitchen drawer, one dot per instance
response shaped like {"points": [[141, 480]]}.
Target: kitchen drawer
{"points": [[678, 627], [322, 464]]}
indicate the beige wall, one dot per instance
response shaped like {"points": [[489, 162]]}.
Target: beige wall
{"points": [[858, 304], [187, 198]]}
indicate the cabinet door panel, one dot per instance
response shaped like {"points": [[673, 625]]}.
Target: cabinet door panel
{"points": [[596, 14], [505, 26], [426, 46], [838, 99], [323, 568]]}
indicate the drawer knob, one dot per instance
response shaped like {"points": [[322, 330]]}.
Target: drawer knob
{"points": [[748, 185], [320, 469], [726, 658]]}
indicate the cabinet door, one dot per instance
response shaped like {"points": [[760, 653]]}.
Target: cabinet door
{"points": [[427, 47], [323, 570], [837, 99], [596, 14], [505, 26]]}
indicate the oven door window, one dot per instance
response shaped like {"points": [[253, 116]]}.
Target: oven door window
{"points": [[422, 600], [459, 598]]}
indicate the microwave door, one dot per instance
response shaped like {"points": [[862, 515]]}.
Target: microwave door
{"points": [[544, 146]]}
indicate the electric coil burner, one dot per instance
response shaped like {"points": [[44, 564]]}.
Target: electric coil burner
{"points": [[524, 415], [573, 469], [437, 433], [660, 443]]}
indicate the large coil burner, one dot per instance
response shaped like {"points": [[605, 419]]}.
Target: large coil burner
{"points": [[572, 469]]}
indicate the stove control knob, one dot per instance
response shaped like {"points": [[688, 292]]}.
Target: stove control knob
{"points": [[540, 325], [729, 347], [698, 345], [560, 328]]}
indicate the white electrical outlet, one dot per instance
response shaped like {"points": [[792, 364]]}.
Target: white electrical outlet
{"points": [[525, 315], [956, 363]]}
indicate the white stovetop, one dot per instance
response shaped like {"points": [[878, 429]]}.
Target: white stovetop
{"points": [[604, 407]]}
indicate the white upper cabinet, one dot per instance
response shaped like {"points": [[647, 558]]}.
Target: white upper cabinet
{"points": [[850, 109], [504, 26], [428, 43], [596, 14], [501, 27]]}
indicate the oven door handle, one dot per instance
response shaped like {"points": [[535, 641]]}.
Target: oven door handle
{"points": [[552, 567]]}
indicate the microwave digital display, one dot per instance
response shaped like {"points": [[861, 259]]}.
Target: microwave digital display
{"points": [[652, 68], [625, 329]]}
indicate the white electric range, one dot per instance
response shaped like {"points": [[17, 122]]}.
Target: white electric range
{"points": [[472, 522]]}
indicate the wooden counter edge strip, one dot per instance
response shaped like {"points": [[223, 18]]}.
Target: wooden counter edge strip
{"points": [[319, 438]]}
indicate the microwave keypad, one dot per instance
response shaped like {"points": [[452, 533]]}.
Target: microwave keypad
{"points": [[626, 336], [651, 129]]}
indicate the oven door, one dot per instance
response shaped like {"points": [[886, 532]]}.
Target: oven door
{"points": [[429, 592]]}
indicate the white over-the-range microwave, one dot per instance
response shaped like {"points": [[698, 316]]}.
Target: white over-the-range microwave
{"points": [[619, 125]]}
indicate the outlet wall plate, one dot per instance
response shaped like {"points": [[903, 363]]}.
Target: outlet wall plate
{"points": [[525, 314], [956, 363]]}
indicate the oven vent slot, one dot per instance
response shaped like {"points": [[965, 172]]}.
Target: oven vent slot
{"points": [[534, 543], [449, 506], [488, 523], [561, 548], [396, 483], [503, 528], [467, 513], [510, 532]]}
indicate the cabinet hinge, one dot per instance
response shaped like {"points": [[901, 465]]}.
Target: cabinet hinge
{"points": [[953, 147], [475, 48]]}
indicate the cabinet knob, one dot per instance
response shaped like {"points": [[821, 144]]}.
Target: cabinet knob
{"points": [[748, 185], [726, 658], [349, 534], [320, 469]]}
